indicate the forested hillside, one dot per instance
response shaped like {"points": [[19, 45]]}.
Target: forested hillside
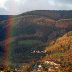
{"points": [[38, 34]]}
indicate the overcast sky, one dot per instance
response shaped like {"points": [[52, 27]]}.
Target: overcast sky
{"points": [[12, 7]]}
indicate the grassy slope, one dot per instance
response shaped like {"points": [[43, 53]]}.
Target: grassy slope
{"points": [[61, 51]]}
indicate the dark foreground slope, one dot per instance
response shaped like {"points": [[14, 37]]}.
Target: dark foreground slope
{"points": [[33, 31]]}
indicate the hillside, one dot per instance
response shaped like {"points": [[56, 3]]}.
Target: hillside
{"points": [[61, 45], [61, 51], [33, 31], [52, 14]]}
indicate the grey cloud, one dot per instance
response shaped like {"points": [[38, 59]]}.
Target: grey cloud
{"points": [[28, 5], [45, 5], [64, 1], [3, 11]]}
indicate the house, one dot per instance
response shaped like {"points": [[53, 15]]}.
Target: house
{"points": [[51, 69], [40, 68]]}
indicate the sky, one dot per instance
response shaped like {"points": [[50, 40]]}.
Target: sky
{"points": [[15, 7]]}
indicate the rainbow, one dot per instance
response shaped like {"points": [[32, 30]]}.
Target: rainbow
{"points": [[7, 44]]}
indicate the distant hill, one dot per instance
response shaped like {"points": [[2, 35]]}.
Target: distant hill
{"points": [[34, 30], [3, 17], [53, 14]]}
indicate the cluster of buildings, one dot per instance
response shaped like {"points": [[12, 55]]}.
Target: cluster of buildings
{"points": [[37, 51], [52, 67]]}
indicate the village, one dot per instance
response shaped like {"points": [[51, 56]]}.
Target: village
{"points": [[46, 66]]}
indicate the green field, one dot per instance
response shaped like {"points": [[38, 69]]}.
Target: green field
{"points": [[29, 42]]}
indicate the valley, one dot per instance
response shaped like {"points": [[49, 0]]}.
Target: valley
{"points": [[37, 36]]}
